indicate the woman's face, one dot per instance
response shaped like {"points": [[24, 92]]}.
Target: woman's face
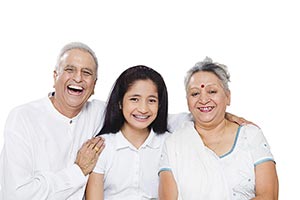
{"points": [[206, 97], [140, 105]]}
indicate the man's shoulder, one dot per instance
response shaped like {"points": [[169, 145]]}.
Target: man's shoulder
{"points": [[31, 105], [96, 103]]}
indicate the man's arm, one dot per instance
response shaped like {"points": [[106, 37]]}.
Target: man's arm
{"points": [[21, 181]]}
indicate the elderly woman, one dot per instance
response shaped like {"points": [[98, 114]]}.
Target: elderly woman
{"points": [[211, 157]]}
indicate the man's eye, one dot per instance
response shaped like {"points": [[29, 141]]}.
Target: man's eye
{"points": [[87, 73], [69, 70]]}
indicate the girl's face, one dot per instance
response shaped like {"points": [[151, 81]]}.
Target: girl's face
{"points": [[206, 97], [140, 105]]}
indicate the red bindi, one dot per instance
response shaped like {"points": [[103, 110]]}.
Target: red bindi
{"points": [[202, 85]]}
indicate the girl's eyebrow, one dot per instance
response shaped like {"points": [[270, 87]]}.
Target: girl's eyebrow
{"points": [[153, 96], [138, 95]]}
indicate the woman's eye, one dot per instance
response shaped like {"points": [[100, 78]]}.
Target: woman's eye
{"points": [[212, 91], [193, 94]]}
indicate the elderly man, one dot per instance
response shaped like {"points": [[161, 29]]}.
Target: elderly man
{"points": [[40, 157]]}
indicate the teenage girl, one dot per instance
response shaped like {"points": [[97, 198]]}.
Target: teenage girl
{"points": [[135, 128]]}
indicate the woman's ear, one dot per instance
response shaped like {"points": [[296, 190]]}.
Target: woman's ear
{"points": [[228, 94]]}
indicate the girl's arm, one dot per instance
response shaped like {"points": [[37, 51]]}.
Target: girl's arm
{"points": [[238, 120], [95, 187]]}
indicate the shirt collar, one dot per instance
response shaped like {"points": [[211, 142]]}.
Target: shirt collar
{"points": [[152, 141], [63, 117]]}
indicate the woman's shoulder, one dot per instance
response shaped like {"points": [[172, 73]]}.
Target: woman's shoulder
{"points": [[250, 130], [252, 134]]}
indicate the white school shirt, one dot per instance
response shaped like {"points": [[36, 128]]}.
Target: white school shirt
{"points": [[201, 174], [41, 144], [130, 173]]}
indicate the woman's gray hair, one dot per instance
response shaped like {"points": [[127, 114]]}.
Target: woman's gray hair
{"points": [[76, 45], [208, 65]]}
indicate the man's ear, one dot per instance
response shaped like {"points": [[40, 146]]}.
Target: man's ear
{"points": [[54, 77], [94, 86]]}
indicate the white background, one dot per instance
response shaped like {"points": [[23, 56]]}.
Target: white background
{"points": [[258, 41]]}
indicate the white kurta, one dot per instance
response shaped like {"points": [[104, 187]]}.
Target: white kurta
{"points": [[201, 174], [37, 161]]}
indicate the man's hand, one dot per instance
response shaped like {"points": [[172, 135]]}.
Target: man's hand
{"points": [[88, 154]]}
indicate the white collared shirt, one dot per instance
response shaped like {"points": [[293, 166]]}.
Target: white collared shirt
{"points": [[37, 160], [130, 173]]}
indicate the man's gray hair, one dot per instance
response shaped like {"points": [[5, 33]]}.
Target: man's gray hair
{"points": [[208, 65], [76, 45]]}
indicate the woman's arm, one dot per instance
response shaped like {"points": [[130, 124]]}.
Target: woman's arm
{"points": [[266, 181], [95, 187], [167, 186]]}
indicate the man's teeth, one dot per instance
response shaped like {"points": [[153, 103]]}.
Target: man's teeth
{"points": [[75, 87]]}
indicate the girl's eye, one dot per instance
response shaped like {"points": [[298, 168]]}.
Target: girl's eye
{"points": [[133, 99], [152, 100]]}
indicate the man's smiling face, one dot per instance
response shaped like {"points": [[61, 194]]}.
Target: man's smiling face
{"points": [[74, 81]]}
